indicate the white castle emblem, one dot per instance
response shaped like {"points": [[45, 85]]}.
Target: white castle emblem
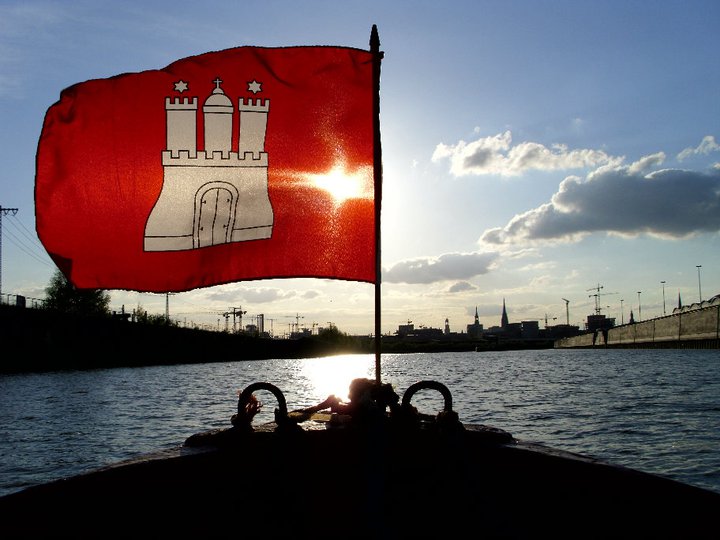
{"points": [[214, 196]]}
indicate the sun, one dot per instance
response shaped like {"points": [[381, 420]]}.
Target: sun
{"points": [[342, 184]]}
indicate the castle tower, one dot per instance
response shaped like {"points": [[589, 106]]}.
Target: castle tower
{"points": [[504, 319], [218, 110], [181, 118], [253, 124]]}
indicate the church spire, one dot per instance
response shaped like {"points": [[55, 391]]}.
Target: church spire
{"points": [[504, 318]]}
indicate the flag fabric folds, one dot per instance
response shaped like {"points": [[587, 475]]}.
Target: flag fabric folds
{"points": [[241, 164]]}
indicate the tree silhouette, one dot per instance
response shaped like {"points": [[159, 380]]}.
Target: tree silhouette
{"points": [[61, 295]]}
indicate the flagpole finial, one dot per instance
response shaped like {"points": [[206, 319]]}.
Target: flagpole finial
{"points": [[374, 39]]}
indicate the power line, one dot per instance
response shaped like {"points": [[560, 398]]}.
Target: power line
{"points": [[32, 237], [25, 249], [4, 212]]}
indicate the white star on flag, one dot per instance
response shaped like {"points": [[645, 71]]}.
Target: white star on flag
{"points": [[181, 86], [254, 87]]}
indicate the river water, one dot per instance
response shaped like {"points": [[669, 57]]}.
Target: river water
{"points": [[653, 410]]}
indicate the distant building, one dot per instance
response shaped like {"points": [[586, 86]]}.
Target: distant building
{"points": [[529, 330], [560, 331], [408, 331], [600, 322], [405, 330], [475, 330]]}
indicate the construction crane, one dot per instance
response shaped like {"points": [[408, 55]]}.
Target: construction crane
{"points": [[297, 322], [236, 312], [567, 311], [597, 296], [271, 326]]}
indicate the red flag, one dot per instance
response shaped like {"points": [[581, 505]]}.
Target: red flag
{"points": [[240, 164]]}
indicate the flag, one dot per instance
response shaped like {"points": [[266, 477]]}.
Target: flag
{"points": [[240, 164]]}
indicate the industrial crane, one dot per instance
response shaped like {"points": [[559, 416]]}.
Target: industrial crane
{"points": [[297, 321], [271, 326], [597, 296], [236, 312]]}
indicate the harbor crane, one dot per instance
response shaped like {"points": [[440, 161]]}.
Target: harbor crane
{"points": [[597, 296], [236, 312], [297, 321]]}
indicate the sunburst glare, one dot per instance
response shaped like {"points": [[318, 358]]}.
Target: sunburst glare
{"points": [[342, 184]]}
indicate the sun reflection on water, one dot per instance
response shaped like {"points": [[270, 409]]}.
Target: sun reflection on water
{"points": [[332, 375]]}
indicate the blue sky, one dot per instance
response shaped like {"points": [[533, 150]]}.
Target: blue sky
{"points": [[532, 150]]}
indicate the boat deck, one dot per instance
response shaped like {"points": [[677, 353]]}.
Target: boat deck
{"points": [[368, 481]]}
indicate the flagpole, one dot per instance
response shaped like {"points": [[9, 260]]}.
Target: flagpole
{"points": [[377, 181]]}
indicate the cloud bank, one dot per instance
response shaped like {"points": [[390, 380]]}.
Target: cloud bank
{"points": [[624, 200], [450, 266], [496, 155]]}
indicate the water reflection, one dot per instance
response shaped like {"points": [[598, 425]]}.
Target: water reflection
{"points": [[309, 381], [332, 375]]}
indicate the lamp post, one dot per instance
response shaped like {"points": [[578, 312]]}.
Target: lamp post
{"points": [[699, 266], [639, 307], [663, 284]]}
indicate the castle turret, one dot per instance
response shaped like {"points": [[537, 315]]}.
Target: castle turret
{"points": [[218, 110], [253, 123], [181, 117]]}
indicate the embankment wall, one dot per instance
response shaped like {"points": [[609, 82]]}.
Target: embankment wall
{"points": [[698, 328]]}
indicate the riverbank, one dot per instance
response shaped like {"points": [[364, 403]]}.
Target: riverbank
{"points": [[37, 340]]}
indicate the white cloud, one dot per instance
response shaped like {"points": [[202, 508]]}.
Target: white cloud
{"points": [[450, 266], [623, 200], [706, 146], [646, 163], [497, 155]]}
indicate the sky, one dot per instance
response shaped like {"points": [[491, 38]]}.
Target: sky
{"points": [[558, 156]]}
